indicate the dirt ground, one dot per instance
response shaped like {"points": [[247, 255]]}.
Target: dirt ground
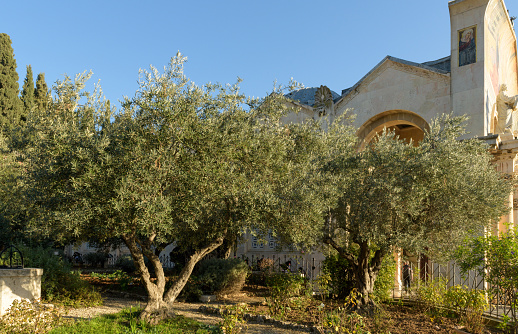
{"points": [[393, 319]]}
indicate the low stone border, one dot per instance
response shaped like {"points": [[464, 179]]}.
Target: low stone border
{"points": [[263, 319]]}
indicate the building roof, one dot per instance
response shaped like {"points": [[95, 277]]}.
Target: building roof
{"points": [[307, 95]]}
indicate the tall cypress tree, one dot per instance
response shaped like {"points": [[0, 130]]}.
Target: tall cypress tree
{"points": [[11, 110], [41, 95], [28, 91]]}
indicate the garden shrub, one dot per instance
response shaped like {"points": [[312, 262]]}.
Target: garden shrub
{"points": [[469, 304], [436, 298], [385, 281], [495, 259], [121, 278], [191, 292], [430, 296], [126, 264], [221, 276], [96, 259], [341, 280], [233, 319], [255, 278], [340, 320], [284, 292], [59, 283]]}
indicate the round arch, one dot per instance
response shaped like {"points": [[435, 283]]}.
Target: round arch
{"points": [[407, 124]]}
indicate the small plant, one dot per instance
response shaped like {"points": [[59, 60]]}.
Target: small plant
{"points": [[430, 297], [340, 320], [283, 288], [323, 285], [25, 317], [506, 325], [233, 322], [469, 304]]}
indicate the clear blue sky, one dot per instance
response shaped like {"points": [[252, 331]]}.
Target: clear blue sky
{"points": [[333, 43]]}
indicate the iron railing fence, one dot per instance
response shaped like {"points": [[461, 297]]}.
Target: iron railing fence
{"points": [[113, 260], [501, 302], [309, 266]]}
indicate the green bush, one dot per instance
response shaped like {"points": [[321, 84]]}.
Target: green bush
{"points": [[385, 281], [341, 321], [341, 278], [96, 259], [469, 304], [126, 264], [495, 258], [59, 283], [221, 276], [287, 290], [430, 296], [233, 322], [192, 290], [439, 300]]}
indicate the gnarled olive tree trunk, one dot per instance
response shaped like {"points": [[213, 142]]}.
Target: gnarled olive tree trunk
{"points": [[365, 269], [159, 304]]}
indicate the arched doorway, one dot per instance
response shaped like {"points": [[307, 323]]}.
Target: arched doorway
{"points": [[410, 127], [406, 124]]}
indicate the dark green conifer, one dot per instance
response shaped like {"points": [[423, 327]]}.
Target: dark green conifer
{"points": [[11, 109], [41, 95], [28, 91]]}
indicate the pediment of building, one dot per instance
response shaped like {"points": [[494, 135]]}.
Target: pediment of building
{"points": [[389, 72]]}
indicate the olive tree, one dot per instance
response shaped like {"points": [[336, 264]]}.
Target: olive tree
{"points": [[421, 198], [179, 163]]}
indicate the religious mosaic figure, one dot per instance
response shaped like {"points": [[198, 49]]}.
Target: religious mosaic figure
{"points": [[506, 112], [467, 46]]}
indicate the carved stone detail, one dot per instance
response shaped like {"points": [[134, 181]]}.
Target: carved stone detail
{"points": [[505, 113], [323, 100]]}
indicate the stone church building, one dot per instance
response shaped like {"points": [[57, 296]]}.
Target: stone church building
{"points": [[479, 78]]}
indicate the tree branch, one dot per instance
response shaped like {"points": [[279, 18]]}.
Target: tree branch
{"points": [[343, 253]]}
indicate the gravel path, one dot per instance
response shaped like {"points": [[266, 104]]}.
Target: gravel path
{"points": [[190, 310]]}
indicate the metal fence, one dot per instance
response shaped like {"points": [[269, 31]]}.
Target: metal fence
{"points": [[115, 260], [500, 301], [309, 266]]}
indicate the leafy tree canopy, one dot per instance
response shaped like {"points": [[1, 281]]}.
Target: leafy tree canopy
{"points": [[178, 162], [421, 198]]}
